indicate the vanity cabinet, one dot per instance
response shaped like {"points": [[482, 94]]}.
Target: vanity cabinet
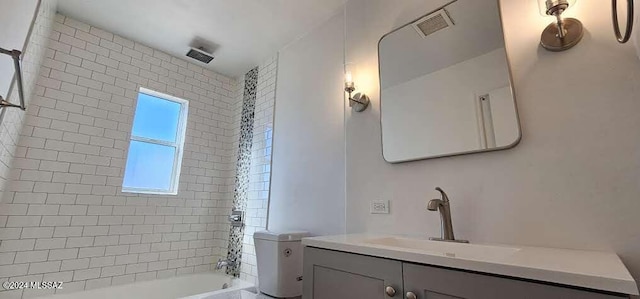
{"points": [[332, 274]]}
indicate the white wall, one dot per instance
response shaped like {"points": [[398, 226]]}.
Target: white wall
{"points": [[308, 183], [573, 181], [63, 217]]}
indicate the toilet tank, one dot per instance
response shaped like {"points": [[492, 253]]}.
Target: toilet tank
{"points": [[279, 257]]}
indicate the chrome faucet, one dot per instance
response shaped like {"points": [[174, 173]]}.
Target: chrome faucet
{"points": [[224, 263], [444, 207]]}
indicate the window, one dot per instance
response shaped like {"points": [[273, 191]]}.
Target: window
{"points": [[155, 148]]}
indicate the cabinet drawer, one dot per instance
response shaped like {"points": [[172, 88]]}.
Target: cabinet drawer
{"points": [[428, 282], [338, 275]]}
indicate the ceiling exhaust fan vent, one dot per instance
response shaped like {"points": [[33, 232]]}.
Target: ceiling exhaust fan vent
{"points": [[433, 23], [200, 55]]}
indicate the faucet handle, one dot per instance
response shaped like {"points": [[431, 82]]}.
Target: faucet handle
{"points": [[445, 198]]}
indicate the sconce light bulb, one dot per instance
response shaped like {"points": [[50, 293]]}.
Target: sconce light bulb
{"points": [[348, 77], [348, 82]]}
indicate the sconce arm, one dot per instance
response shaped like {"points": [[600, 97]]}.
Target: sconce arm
{"points": [[354, 100]]}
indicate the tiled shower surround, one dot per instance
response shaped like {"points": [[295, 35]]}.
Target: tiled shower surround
{"points": [[254, 165], [243, 166], [63, 216], [260, 170]]}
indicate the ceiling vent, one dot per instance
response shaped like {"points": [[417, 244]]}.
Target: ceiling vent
{"points": [[433, 23], [200, 55]]}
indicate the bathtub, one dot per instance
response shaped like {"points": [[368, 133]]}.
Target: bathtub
{"points": [[207, 285]]}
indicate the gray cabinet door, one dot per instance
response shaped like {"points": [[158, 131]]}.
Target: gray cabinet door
{"points": [[338, 275], [438, 283]]}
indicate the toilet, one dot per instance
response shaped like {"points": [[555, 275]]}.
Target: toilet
{"points": [[279, 257]]}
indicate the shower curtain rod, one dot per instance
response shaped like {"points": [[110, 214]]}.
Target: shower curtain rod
{"points": [[15, 54]]}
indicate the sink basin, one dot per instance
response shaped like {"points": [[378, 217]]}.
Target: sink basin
{"points": [[448, 249]]}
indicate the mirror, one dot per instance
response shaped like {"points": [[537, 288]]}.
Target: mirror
{"points": [[445, 85]]}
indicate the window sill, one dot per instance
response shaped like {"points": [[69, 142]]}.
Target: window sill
{"points": [[154, 192]]}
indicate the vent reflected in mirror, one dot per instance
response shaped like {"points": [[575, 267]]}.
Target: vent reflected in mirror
{"points": [[445, 85]]}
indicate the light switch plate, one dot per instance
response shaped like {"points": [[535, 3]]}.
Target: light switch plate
{"points": [[379, 207]]}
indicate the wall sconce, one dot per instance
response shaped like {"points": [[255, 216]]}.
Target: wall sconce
{"points": [[564, 33], [359, 101]]}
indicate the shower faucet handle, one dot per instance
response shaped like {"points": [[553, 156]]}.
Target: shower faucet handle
{"points": [[224, 263], [236, 218]]}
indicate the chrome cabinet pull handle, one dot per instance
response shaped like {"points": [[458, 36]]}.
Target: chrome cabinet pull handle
{"points": [[616, 24], [411, 295]]}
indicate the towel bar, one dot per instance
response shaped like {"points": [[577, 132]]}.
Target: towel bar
{"points": [[616, 24]]}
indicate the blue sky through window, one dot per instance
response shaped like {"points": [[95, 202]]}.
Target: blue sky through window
{"points": [[149, 166], [156, 118]]}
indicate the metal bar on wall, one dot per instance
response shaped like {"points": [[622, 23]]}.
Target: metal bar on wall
{"points": [[15, 54]]}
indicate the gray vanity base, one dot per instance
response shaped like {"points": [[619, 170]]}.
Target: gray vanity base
{"points": [[339, 275]]}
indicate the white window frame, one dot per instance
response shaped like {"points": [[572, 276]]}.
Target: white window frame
{"points": [[178, 145]]}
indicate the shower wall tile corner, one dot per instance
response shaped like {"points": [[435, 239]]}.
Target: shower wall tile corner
{"points": [[253, 128], [260, 170], [243, 167], [12, 120]]}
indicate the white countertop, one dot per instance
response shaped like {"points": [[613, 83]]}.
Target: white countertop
{"points": [[589, 269]]}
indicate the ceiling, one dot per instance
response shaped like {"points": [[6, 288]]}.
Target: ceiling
{"points": [[242, 32]]}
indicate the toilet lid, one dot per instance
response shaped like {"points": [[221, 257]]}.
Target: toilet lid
{"points": [[281, 236]]}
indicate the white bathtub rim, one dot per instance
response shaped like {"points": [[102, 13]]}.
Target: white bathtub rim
{"points": [[237, 284], [147, 289]]}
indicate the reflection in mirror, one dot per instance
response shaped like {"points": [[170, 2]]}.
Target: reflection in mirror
{"points": [[445, 85]]}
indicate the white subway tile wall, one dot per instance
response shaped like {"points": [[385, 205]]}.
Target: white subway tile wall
{"points": [[63, 217], [12, 119], [260, 172]]}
